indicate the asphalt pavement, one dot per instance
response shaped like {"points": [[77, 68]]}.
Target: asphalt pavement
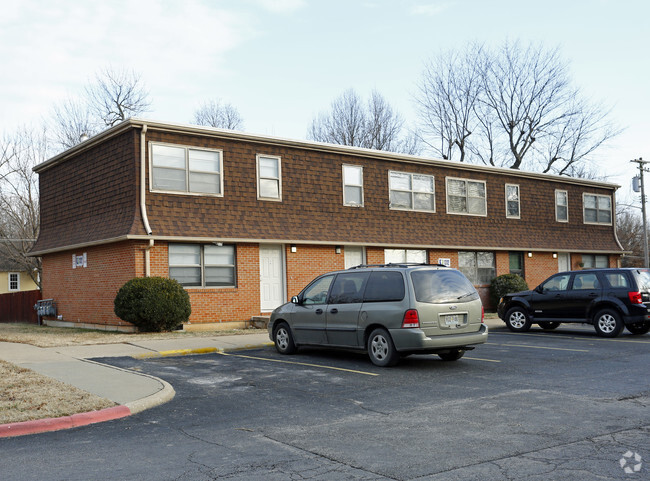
{"points": [[132, 391]]}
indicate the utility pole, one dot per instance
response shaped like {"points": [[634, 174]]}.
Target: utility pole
{"points": [[642, 168]]}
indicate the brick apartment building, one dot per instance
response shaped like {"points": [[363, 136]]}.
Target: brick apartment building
{"points": [[245, 221]]}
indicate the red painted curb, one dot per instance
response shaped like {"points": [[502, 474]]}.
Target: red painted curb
{"points": [[65, 422]]}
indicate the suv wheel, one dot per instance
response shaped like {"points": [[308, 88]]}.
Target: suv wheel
{"points": [[381, 349], [549, 326], [517, 320], [638, 328], [453, 355], [608, 323], [284, 339]]}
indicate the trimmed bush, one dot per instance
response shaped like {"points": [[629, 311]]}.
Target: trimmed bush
{"points": [[153, 304], [506, 284]]}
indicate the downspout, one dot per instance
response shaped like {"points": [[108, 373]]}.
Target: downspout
{"points": [[143, 206]]}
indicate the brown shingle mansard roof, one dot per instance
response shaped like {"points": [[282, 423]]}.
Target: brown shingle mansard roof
{"points": [[114, 213]]}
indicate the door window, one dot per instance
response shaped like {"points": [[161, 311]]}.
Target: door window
{"points": [[557, 283], [348, 288], [585, 282], [316, 293]]}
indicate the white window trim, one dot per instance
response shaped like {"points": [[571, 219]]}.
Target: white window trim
{"points": [[518, 216], [447, 179], [611, 209], [412, 192], [352, 185], [187, 148], [202, 265], [556, 205], [17, 274], [279, 179]]}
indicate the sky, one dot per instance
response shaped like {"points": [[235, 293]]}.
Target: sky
{"points": [[281, 62]]}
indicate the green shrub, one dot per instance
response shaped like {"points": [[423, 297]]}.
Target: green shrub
{"points": [[153, 304], [506, 284]]}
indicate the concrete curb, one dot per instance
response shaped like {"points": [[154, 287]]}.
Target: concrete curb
{"points": [[202, 350]]}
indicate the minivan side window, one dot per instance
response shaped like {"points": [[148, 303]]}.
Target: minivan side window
{"points": [[316, 293], [348, 288], [384, 286]]}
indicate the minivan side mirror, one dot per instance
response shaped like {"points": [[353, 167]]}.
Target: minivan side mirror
{"points": [[295, 300]]}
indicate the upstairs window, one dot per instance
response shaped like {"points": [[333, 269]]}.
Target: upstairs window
{"points": [[269, 180], [512, 201], [561, 206], [183, 169], [353, 185], [14, 281], [466, 197], [597, 209], [207, 265], [412, 191]]}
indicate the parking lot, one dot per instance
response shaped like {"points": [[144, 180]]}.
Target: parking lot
{"points": [[541, 405]]}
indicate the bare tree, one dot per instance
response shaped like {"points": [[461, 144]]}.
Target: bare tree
{"points": [[19, 204], [214, 113], [69, 121], [514, 107], [117, 95], [629, 230], [374, 125]]}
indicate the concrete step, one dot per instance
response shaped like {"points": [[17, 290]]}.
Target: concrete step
{"points": [[260, 322]]}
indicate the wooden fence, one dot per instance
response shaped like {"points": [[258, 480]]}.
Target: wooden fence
{"points": [[19, 306]]}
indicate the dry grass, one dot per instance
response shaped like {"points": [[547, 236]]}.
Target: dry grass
{"points": [[46, 336], [26, 395]]}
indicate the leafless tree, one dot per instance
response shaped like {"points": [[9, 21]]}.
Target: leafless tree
{"points": [[114, 96], [19, 203], [214, 113], [514, 107], [117, 95], [629, 230], [372, 125]]}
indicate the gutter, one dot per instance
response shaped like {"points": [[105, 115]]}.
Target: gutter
{"points": [[143, 180]]}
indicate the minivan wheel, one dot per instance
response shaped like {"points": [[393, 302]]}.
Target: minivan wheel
{"points": [[608, 323], [517, 320], [549, 326], [381, 349], [638, 328], [453, 355], [284, 339]]}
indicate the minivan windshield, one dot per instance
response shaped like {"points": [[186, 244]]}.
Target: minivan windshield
{"points": [[442, 285]]}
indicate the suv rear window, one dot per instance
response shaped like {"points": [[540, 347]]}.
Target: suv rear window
{"points": [[643, 278], [434, 286], [384, 286]]}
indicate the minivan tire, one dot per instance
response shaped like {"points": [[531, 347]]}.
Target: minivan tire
{"points": [[608, 323], [518, 320], [283, 339], [381, 349]]}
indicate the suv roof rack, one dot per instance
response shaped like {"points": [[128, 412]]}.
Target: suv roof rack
{"points": [[399, 264]]}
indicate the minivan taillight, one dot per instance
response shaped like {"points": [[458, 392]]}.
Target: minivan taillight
{"points": [[482, 315], [411, 319], [635, 297]]}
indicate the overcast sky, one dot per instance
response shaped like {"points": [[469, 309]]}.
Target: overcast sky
{"points": [[281, 62]]}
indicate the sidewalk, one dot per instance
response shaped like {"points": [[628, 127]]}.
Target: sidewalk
{"points": [[132, 391]]}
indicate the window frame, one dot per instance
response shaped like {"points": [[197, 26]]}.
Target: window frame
{"points": [[510, 216], [566, 197], [345, 202], [447, 179], [406, 255], [278, 179], [411, 192], [595, 258], [478, 276], [202, 265], [17, 281], [187, 170], [597, 196]]}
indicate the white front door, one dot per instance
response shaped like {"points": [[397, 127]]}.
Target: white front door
{"points": [[563, 262], [354, 256], [271, 277]]}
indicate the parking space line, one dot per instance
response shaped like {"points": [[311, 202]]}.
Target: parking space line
{"points": [[539, 347], [563, 337], [479, 359], [300, 363]]}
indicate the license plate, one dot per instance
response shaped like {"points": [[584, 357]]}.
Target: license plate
{"points": [[452, 321]]}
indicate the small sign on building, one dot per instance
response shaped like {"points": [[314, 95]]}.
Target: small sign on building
{"points": [[444, 261], [79, 261]]}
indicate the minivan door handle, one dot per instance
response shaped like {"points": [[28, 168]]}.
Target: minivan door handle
{"points": [[334, 310], [319, 311]]}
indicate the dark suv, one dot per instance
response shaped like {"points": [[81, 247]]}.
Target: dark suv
{"points": [[390, 311], [607, 298]]}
